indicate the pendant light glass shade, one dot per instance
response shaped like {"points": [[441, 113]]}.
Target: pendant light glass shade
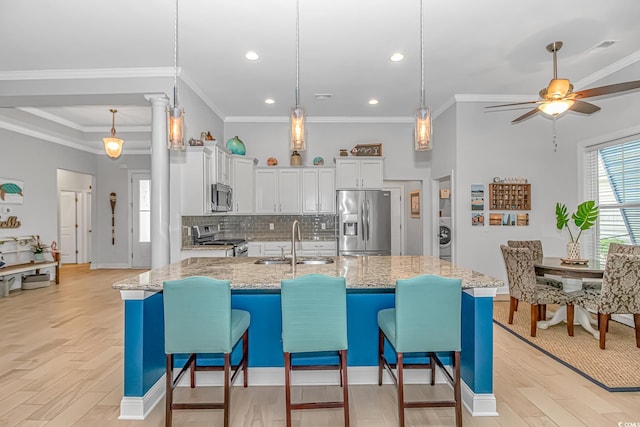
{"points": [[176, 127], [112, 144], [423, 129], [297, 119], [175, 113]]}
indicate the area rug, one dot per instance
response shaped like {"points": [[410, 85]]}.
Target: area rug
{"points": [[617, 368]]}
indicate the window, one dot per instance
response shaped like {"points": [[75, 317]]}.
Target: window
{"points": [[613, 181], [144, 211]]}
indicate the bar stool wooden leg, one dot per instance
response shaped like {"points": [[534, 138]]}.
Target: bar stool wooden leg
{"points": [[400, 391], [169, 391], [380, 355], [345, 389], [456, 388], [287, 386]]}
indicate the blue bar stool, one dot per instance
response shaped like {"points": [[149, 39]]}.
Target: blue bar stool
{"points": [[198, 319], [426, 320], [314, 319]]}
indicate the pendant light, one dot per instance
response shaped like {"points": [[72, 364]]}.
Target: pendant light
{"points": [[175, 112], [423, 114], [113, 145], [296, 114]]}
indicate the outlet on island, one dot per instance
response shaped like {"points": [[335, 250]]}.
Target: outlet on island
{"points": [[323, 226], [271, 226]]}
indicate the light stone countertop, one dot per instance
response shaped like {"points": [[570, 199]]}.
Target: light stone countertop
{"points": [[375, 272]]}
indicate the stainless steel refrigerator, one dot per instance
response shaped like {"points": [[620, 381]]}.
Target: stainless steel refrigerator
{"points": [[364, 220]]}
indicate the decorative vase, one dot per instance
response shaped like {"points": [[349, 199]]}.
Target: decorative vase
{"points": [[343, 152], [573, 250], [296, 159], [236, 146], [38, 256]]}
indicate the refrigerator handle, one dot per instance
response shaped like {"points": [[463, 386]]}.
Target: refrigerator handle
{"points": [[362, 221], [368, 219]]}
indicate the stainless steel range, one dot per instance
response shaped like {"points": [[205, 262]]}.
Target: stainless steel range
{"points": [[207, 235]]}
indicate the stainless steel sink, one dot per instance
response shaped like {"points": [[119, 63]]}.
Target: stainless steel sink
{"points": [[309, 260], [269, 261], [315, 261]]}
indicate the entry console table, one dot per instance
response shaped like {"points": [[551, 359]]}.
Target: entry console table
{"points": [[594, 269]]}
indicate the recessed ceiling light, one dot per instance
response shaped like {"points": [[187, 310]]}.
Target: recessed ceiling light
{"points": [[396, 57], [252, 55], [269, 101], [373, 101]]}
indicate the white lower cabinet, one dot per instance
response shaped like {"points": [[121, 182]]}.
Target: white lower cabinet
{"points": [[303, 248], [319, 248]]}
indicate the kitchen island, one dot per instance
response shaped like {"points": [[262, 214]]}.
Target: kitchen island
{"points": [[256, 288]]}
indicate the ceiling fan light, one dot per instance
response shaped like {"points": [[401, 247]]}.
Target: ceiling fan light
{"points": [[555, 108], [558, 88], [423, 129], [176, 127], [297, 121]]}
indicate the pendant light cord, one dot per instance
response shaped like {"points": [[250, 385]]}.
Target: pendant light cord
{"points": [[421, 56], [297, 53], [175, 59]]}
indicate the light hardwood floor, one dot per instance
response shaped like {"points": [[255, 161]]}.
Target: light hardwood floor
{"points": [[61, 365]]}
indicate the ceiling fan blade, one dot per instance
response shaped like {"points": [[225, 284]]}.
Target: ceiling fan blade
{"points": [[517, 103], [525, 115], [584, 107], [609, 89]]}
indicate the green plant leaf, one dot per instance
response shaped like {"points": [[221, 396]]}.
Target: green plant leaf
{"points": [[562, 217], [586, 215]]}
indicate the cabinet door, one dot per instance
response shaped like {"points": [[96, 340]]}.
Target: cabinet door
{"points": [[243, 185], [255, 249], [196, 183], [371, 174], [289, 191], [223, 167], [326, 191], [310, 201], [347, 174], [266, 191]]}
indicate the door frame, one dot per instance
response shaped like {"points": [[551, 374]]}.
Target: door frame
{"points": [[435, 214], [399, 187], [131, 173]]}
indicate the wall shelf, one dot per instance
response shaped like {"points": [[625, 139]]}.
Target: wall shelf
{"points": [[510, 197]]}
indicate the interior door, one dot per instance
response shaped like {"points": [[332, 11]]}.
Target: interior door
{"points": [[68, 228], [141, 221]]}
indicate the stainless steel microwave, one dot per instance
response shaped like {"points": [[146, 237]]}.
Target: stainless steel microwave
{"points": [[221, 198]]}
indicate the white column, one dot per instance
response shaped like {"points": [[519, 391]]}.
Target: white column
{"points": [[160, 242]]}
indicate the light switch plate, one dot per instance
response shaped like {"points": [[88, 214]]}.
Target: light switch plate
{"points": [[271, 226], [6, 210]]}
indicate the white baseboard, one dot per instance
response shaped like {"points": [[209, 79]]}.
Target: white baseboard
{"points": [[95, 266], [137, 408]]}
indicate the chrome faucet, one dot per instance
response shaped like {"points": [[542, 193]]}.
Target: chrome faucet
{"points": [[296, 224]]}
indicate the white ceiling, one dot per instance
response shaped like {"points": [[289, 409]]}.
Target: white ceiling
{"points": [[492, 50]]}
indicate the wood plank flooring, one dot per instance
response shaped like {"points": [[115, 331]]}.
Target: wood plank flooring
{"points": [[61, 365]]}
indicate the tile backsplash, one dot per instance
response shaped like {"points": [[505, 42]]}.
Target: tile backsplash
{"points": [[257, 227]]}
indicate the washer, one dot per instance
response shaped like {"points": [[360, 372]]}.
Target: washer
{"points": [[445, 238]]}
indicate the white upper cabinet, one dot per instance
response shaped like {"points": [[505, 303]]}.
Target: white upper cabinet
{"points": [[243, 184], [196, 179], [278, 191], [222, 166], [359, 174], [318, 191]]}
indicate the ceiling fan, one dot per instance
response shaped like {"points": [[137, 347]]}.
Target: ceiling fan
{"points": [[559, 96]]}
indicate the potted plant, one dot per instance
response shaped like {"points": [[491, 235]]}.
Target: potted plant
{"points": [[584, 217], [38, 248]]}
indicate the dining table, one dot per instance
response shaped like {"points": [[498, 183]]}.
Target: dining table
{"points": [[571, 269]]}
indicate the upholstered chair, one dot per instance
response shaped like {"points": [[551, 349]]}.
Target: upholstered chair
{"points": [[314, 320], [594, 287], [523, 286], [198, 319], [536, 247], [425, 320], [620, 293]]}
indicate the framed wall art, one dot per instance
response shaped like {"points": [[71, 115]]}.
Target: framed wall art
{"points": [[414, 204], [11, 191]]}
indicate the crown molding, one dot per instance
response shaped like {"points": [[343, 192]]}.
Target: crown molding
{"points": [[609, 70], [96, 73], [196, 89], [73, 125]]}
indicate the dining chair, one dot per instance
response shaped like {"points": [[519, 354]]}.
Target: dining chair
{"points": [[536, 247], [314, 323], [426, 321], [523, 286], [614, 248], [198, 319], [619, 294]]}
